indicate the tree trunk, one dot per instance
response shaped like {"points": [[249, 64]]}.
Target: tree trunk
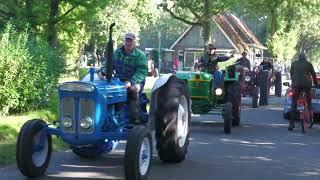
{"points": [[52, 25], [273, 24], [29, 13], [94, 52], [206, 33], [206, 25]]}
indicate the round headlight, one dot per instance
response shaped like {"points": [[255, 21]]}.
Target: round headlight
{"points": [[86, 122], [218, 91], [247, 78], [67, 121]]}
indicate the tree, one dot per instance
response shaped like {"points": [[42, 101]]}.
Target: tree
{"points": [[169, 27], [292, 24], [196, 12]]}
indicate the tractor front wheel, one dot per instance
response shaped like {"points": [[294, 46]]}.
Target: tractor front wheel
{"points": [[138, 154], [227, 117], [34, 147]]}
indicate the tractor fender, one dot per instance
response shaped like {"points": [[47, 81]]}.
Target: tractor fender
{"points": [[162, 80]]}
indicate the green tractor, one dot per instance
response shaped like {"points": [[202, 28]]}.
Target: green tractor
{"points": [[206, 97]]}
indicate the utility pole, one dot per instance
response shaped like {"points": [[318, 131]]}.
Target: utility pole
{"points": [[159, 51]]}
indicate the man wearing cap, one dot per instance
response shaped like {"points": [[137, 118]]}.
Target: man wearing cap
{"points": [[209, 62], [131, 67]]}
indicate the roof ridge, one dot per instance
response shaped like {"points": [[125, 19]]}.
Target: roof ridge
{"points": [[232, 33], [244, 28]]}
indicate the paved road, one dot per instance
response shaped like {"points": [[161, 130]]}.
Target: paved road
{"points": [[261, 148]]}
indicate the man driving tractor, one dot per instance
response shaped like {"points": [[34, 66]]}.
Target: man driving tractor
{"points": [[244, 61], [130, 65], [209, 62]]}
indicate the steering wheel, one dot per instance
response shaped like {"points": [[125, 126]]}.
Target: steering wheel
{"points": [[104, 70]]}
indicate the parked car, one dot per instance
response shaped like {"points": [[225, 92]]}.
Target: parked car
{"points": [[315, 102]]}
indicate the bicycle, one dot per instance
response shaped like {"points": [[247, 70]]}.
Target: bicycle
{"points": [[305, 115]]}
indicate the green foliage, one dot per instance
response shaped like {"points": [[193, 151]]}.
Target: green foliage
{"points": [[196, 12], [169, 27], [10, 126], [29, 71], [7, 133], [129, 16], [292, 25]]}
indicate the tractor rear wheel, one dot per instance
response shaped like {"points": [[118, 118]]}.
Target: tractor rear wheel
{"points": [[255, 97], [172, 121], [234, 96], [263, 79]]}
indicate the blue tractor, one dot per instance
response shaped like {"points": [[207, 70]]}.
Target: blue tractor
{"points": [[94, 118]]}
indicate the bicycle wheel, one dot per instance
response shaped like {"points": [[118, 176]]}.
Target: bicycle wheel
{"points": [[307, 119]]}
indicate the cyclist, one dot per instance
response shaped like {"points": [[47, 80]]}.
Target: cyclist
{"points": [[302, 73]]}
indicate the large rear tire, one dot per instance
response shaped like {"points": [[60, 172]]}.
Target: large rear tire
{"points": [[263, 79], [255, 97], [172, 121], [33, 150], [227, 117], [278, 84], [234, 96]]}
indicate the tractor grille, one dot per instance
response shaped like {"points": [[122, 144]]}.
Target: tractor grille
{"points": [[70, 106], [86, 108], [68, 109]]}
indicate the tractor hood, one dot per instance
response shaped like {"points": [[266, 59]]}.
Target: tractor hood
{"points": [[188, 75], [112, 92], [91, 86]]}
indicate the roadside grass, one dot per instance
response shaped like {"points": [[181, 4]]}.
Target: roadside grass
{"points": [[10, 127]]}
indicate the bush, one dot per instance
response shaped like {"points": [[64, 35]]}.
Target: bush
{"points": [[29, 71], [7, 133]]}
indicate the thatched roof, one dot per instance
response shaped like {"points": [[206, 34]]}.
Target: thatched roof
{"points": [[236, 31]]}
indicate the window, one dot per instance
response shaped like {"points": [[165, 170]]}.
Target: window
{"points": [[202, 33], [180, 53], [191, 58]]}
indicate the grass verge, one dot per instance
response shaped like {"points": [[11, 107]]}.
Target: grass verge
{"points": [[10, 126]]}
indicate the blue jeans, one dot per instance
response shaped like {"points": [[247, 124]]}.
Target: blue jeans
{"points": [[218, 79]]}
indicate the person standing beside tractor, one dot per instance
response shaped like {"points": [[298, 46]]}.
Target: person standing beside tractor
{"points": [[244, 61], [130, 65], [209, 62], [302, 74]]}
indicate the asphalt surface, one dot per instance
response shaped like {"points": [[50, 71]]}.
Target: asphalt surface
{"points": [[261, 148]]}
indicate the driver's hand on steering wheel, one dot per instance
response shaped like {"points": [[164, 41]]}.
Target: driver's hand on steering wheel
{"points": [[101, 76], [127, 84]]}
